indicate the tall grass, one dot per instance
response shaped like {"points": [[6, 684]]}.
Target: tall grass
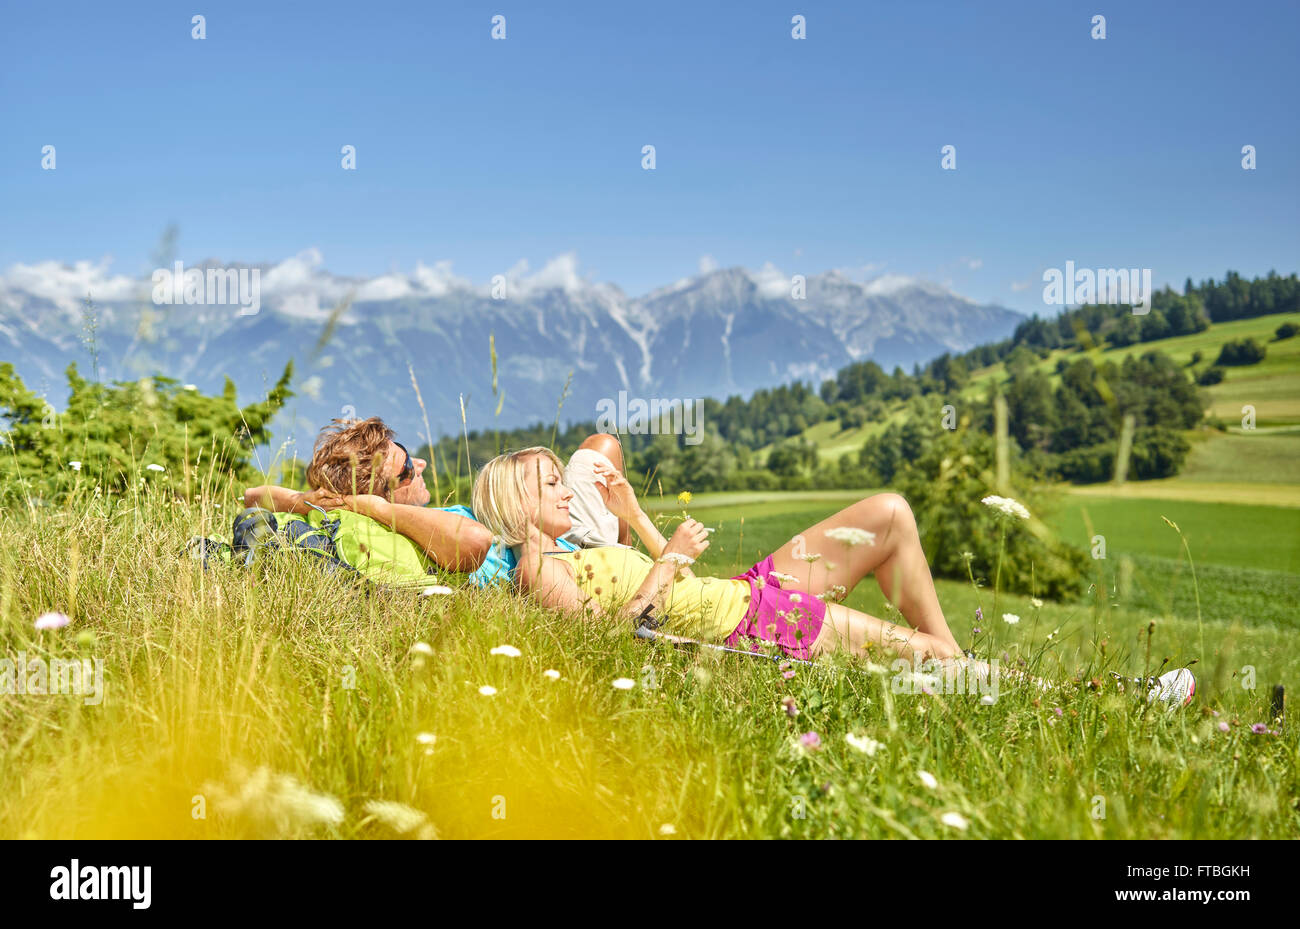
{"points": [[277, 701]]}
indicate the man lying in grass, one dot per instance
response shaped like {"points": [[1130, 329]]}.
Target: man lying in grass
{"points": [[787, 598], [358, 465]]}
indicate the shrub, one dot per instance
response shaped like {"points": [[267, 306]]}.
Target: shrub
{"points": [[1286, 331], [1211, 375], [944, 488], [1243, 352]]}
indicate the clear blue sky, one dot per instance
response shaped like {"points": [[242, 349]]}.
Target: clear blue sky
{"points": [[809, 154]]}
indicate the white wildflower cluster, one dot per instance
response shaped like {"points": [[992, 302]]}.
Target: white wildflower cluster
{"points": [[677, 558], [1006, 506], [851, 536]]}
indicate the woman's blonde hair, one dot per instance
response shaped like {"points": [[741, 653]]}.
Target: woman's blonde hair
{"points": [[499, 493]]}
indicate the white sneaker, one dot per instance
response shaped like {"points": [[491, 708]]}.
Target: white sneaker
{"points": [[1173, 687]]}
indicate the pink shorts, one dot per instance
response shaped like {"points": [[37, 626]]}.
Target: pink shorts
{"points": [[790, 618]]}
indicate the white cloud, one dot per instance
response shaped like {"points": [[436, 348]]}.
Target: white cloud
{"points": [[708, 264], [66, 286], [771, 281], [1018, 286], [974, 263], [889, 284]]}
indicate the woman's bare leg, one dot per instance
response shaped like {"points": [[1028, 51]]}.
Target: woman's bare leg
{"points": [[896, 559], [851, 630]]}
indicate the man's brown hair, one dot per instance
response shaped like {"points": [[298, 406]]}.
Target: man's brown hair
{"points": [[349, 456]]}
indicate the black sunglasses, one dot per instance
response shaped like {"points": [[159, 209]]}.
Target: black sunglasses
{"points": [[408, 467]]}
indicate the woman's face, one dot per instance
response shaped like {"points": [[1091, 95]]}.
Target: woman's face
{"points": [[546, 499]]}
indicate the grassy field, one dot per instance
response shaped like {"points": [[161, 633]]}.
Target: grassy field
{"points": [[1272, 386], [274, 701]]}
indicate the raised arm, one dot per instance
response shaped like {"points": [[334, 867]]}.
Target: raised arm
{"points": [[624, 504], [454, 542], [277, 499], [551, 582]]}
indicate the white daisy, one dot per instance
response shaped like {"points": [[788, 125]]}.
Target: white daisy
{"points": [[956, 820], [928, 779], [1035, 602], [421, 648], [487, 690], [864, 744], [677, 558], [425, 738], [624, 683], [668, 829], [1010, 618], [552, 674], [508, 650], [154, 467], [74, 465], [435, 590]]}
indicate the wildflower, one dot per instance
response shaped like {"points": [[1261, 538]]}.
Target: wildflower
{"points": [[928, 779], [796, 598], [1010, 618], [190, 387], [508, 650], [684, 498], [551, 673], [421, 648], [810, 557], [52, 620], [1259, 728], [1057, 711], [1035, 602], [1224, 727], [864, 744], [154, 467], [791, 708], [979, 614], [487, 690], [676, 558], [1006, 506], [988, 700], [784, 578], [976, 631], [425, 738], [956, 820], [624, 683], [811, 741], [397, 816], [74, 465], [851, 536], [668, 828], [968, 556], [435, 590]]}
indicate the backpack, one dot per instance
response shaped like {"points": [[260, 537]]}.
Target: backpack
{"points": [[343, 542]]}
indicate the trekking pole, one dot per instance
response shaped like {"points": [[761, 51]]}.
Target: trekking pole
{"points": [[645, 632]]}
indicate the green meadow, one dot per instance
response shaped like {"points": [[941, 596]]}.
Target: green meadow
{"points": [[276, 701]]}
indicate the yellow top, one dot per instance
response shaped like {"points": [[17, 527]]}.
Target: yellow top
{"points": [[707, 608]]}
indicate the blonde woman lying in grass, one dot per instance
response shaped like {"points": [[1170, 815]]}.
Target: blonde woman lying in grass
{"points": [[787, 598]]}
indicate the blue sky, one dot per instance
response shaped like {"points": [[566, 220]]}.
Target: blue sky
{"points": [[814, 154]]}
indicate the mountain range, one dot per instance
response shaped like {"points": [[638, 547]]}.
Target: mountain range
{"points": [[727, 331]]}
